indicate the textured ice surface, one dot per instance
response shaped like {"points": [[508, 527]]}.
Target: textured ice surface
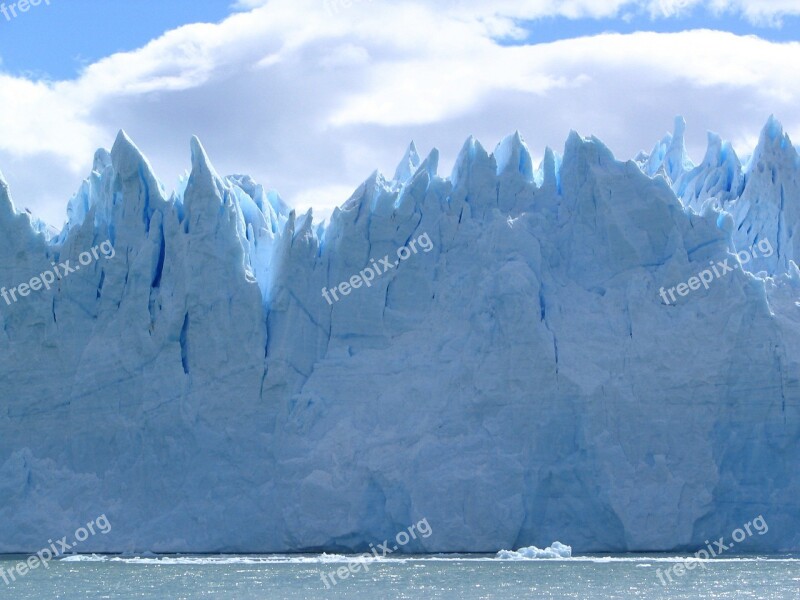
{"points": [[520, 383]]}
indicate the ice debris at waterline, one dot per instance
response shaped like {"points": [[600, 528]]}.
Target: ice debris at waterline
{"points": [[557, 550], [521, 382]]}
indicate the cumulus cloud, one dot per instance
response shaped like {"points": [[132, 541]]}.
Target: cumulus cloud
{"points": [[310, 97]]}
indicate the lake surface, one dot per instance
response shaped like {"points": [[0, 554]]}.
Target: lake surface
{"points": [[417, 578]]}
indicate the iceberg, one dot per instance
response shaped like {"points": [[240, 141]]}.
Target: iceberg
{"points": [[557, 550], [522, 381]]}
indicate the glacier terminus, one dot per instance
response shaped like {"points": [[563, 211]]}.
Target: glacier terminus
{"points": [[517, 380]]}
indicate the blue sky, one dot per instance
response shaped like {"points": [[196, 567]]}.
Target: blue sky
{"points": [[549, 29], [70, 34], [311, 96]]}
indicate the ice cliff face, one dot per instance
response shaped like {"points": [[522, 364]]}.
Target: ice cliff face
{"points": [[521, 382]]}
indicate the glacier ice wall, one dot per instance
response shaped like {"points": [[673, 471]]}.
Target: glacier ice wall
{"points": [[521, 382]]}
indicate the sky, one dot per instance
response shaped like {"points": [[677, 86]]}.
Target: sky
{"points": [[311, 96]]}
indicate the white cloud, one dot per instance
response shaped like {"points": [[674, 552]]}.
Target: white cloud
{"points": [[322, 199], [671, 8], [759, 12], [311, 102]]}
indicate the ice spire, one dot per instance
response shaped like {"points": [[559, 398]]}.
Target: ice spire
{"points": [[670, 154], [512, 155], [408, 166]]}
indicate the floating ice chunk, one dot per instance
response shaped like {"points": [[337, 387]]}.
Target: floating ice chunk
{"points": [[557, 550]]}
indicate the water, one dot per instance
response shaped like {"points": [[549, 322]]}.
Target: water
{"points": [[417, 578]]}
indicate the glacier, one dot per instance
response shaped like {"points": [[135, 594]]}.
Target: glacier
{"points": [[520, 383]]}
